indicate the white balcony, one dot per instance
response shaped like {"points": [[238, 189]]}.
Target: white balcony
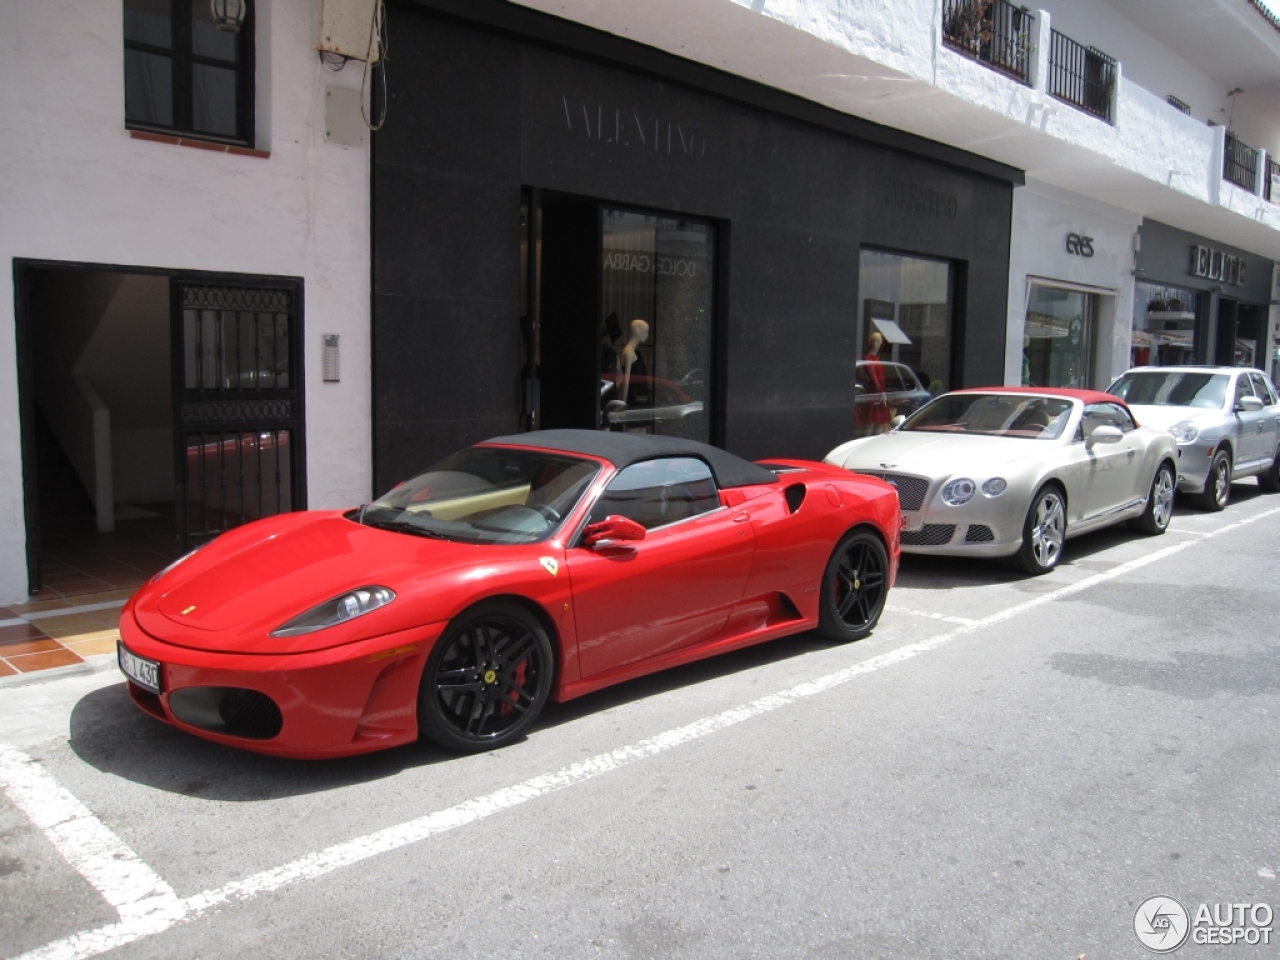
{"points": [[889, 63]]}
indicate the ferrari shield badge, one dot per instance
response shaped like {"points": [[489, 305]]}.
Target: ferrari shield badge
{"points": [[550, 565]]}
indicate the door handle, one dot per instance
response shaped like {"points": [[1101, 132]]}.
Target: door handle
{"points": [[1132, 452], [741, 517]]}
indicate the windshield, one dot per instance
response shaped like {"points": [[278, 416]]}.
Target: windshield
{"points": [[993, 415], [1172, 388], [485, 495]]}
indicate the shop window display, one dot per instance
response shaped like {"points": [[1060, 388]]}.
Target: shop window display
{"points": [[1057, 342], [1164, 322], [905, 328], [656, 324]]}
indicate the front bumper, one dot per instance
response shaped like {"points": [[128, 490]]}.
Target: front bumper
{"points": [[1194, 460], [983, 527], [345, 700]]}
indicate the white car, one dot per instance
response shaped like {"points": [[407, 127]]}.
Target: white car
{"points": [[1016, 471]]}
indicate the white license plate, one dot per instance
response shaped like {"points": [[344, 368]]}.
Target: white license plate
{"points": [[143, 672]]}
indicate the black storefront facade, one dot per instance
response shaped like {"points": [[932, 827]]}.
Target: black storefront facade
{"points": [[571, 230], [1198, 301]]}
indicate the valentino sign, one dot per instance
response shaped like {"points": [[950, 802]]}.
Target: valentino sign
{"points": [[629, 129]]}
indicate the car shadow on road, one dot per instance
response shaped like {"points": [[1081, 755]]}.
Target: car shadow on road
{"points": [[111, 734]]}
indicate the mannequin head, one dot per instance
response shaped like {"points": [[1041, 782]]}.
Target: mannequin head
{"points": [[639, 331], [875, 342]]}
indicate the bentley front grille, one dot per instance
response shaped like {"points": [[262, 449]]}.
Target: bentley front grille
{"points": [[930, 535], [911, 490]]}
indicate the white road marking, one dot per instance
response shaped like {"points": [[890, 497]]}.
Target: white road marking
{"points": [[962, 621], [97, 854], [164, 911]]}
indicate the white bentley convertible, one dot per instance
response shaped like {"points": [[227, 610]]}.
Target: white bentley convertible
{"points": [[1016, 471]]}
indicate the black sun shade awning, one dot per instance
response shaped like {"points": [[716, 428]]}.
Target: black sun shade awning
{"points": [[624, 449]]}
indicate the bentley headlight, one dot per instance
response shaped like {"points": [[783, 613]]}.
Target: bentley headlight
{"points": [[1184, 432], [959, 491], [355, 603], [995, 486]]}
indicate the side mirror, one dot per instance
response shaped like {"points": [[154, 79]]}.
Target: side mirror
{"points": [[612, 529], [897, 421], [1104, 433], [1249, 405]]}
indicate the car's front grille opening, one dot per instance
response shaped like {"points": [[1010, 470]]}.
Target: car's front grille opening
{"points": [[978, 533], [233, 711], [911, 490], [930, 535]]}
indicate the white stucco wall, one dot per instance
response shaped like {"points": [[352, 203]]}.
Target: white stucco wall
{"points": [[75, 187], [1042, 218]]}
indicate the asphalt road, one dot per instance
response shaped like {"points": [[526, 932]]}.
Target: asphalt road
{"points": [[1007, 767]]}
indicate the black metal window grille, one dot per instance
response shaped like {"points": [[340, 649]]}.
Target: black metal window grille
{"points": [[1081, 76], [1240, 163], [183, 75], [1269, 189], [235, 339], [234, 476], [1178, 104], [993, 31]]}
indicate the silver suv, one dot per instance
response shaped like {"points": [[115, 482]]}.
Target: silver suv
{"points": [[1226, 421]]}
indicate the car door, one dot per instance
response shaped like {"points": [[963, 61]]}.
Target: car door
{"points": [[1111, 470], [1268, 423], [672, 589], [1249, 423]]}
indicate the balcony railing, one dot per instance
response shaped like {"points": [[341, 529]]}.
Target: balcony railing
{"points": [[1083, 76], [1240, 164], [1271, 188], [992, 31]]}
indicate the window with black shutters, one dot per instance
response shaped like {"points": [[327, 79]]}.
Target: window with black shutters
{"points": [[183, 75]]}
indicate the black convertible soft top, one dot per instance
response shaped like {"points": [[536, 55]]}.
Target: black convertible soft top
{"points": [[624, 449]]}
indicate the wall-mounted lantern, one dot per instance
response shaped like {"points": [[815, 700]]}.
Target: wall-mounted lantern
{"points": [[229, 14]]}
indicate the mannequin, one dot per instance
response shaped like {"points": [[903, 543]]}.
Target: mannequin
{"points": [[878, 412], [629, 358]]}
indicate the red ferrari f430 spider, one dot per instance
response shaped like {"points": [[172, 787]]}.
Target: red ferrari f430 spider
{"points": [[527, 568]]}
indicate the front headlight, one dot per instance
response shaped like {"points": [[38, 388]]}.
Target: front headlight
{"points": [[355, 603], [1184, 432], [995, 486], [959, 491]]}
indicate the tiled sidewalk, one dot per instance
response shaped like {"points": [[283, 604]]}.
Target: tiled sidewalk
{"points": [[86, 577], [44, 634]]}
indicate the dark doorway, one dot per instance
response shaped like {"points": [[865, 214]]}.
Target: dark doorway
{"points": [[1241, 332], [107, 423]]}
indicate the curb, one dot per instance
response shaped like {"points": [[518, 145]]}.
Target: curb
{"points": [[98, 663]]}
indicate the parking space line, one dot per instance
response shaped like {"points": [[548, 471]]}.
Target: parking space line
{"points": [[946, 618], [97, 854], [168, 913]]}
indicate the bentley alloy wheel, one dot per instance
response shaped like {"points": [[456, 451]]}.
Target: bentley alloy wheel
{"points": [[1043, 532], [487, 678], [854, 587], [1159, 511]]}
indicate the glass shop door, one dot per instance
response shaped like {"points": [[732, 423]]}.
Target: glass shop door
{"points": [[618, 317]]}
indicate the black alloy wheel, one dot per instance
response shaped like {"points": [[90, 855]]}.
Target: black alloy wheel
{"points": [[1217, 486], [855, 586], [487, 679]]}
